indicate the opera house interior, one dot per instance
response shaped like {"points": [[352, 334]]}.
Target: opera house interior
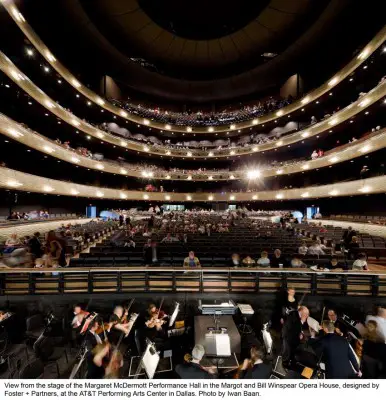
{"points": [[192, 189]]}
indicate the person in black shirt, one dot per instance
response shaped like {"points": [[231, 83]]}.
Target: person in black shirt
{"points": [[255, 367], [352, 248], [277, 260], [95, 360], [194, 370], [335, 264], [340, 327], [91, 337], [35, 245], [347, 235], [289, 304]]}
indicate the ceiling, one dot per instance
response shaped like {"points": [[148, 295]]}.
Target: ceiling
{"points": [[200, 50]]}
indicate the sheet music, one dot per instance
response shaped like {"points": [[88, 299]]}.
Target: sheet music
{"points": [[150, 362]]}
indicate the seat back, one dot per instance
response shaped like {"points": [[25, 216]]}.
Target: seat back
{"points": [[32, 370]]}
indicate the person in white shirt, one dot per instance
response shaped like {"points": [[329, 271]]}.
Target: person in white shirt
{"points": [[380, 319], [303, 248], [314, 155], [315, 249], [263, 261], [360, 264]]}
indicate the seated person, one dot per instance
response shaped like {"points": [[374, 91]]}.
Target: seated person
{"points": [[296, 262], [191, 260], [119, 321], [255, 367], [315, 249], [129, 243], [303, 248], [263, 261], [340, 327], [193, 369], [360, 264], [277, 260], [91, 337], [235, 260], [12, 243], [169, 239], [248, 261], [334, 264]]}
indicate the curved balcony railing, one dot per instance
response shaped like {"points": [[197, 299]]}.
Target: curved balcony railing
{"points": [[339, 117], [20, 20], [201, 280], [32, 183], [370, 143]]}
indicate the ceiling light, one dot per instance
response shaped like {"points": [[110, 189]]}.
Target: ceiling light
{"points": [[145, 148], [30, 52], [99, 101], [254, 197], [46, 69], [188, 129], [150, 174], [210, 154], [279, 196], [100, 166], [210, 198], [74, 192], [210, 177], [365, 149], [123, 144], [48, 149], [231, 197], [210, 129], [124, 114], [88, 137], [167, 197], [75, 83], [144, 174], [233, 126], [305, 166], [364, 103], [189, 154], [15, 133], [279, 171], [99, 194], [123, 171], [333, 192], [333, 81], [253, 174], [100, 135], [232, 153], [48, 188], [189, 178], [255, 149], [188, 197], [305, 100], [75, 160], [232, 177], [305, 194], [122, 196], [168, 153], [255, 121], [279, 113], [305, 134], [333, 121], [89, 103], [77, 95], [13, 183], [279, 143], [168, 127], [363, 55], [365, 189], [50, 57]]}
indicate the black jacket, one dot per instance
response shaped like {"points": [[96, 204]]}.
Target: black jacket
{"points": [[275, 261], [337, 355], [35, 247], [292, 329], [192, 371], [258, 371]]}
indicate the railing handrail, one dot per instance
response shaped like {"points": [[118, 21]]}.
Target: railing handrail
{"points": [[183, 269]]}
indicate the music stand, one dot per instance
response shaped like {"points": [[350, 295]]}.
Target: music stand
{"points": [[174, 315]]}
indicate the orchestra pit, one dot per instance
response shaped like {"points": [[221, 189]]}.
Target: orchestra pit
{"points": [[192, 190]]}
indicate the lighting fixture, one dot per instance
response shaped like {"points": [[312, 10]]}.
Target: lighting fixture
{"points": [[99, 101], [279, 113], [168, 127], [48, 188], [123, 171], [210, 198], [188, 129], [100, 166], [75, 160], [122, 196], [123, 144], [333, 192], [306, 194], [189, 178], [189, 154], [233, 126], [74, 192], [279, 196], [13, 183], [255, 121], [210, 129], [279, 171], [254, 197], [75, 83], [188, 197], [333, 81], [231, 197], [253, 174], [305, 100], [333, 159], [123, 114], [99, 194], [145, 148], [210, 154], [167, 197], [232, 153], [255, 149]]}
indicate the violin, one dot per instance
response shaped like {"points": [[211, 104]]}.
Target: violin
{"points": [[248, 363], [157, 319]]}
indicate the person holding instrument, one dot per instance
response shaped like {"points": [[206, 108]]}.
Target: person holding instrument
{"points": [[254, 368], [156, 318], [79, 317], [96, 359], [119, 321], [92, 338], [193, 369]]}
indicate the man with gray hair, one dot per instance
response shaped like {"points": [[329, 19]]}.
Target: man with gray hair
{"points": [[193, 369]]}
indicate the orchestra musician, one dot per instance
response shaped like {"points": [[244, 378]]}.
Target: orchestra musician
{"points": [[289, 304], [92, 337], [340, 328], [3, 315], [96, 361], [193, 369], [292, 333], [119, 320], [79, 317], [156, 317], [255, 368]]}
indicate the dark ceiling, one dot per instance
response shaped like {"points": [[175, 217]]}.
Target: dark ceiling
{"points": [[201, 50]]}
